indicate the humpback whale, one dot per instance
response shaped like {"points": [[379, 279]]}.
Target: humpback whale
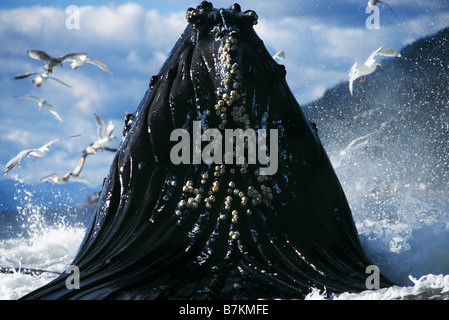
{"points": [[211, 230]]}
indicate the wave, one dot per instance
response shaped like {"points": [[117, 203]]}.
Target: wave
{"points": [[405, 235]]}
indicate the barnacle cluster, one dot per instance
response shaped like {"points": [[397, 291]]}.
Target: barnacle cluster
{"points": [[228, 108]]}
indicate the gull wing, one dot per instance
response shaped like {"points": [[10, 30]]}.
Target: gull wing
{"points": [[280, 55], [25, 75], [99, 64], [386, 51], [352, 76], [39, 55], [57, 140], [80, 179], [63, 83], [79, 166], [53, 177], [102, 129], [54, 112], [11, 163], [354, 71], [28, 97], [72, 56], [110, 128], [386, 4], [382, 51]]}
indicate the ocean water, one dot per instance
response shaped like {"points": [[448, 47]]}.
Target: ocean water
{"points": [[405, 235], [38, 237]]}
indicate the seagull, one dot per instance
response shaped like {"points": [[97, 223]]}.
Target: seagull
{"points": [[39, 152], [372, 3], [280, 55], [56, 178], [104, 132], [52, 62], [43, 103], [79, 59], [104, 138], [360, 142], [87, 151], [361, 70], [39, 79]]}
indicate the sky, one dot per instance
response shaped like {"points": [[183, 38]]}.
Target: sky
{"points": [[321, 41]]}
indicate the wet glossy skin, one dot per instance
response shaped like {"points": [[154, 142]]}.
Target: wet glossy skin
{"points": [[198, 231]]}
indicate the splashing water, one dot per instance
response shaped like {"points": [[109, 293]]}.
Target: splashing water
{"points": [[38, 237], [403, 224], [401, 208]]}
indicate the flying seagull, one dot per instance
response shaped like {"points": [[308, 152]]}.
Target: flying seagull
{"points": [[39, 79], [372, 3], [104, 133], [355, 144], [361, 70], [280, 55], [105, 137], [43, 103], [51, 62], [39, 152], [56, 178], [79, 59]]}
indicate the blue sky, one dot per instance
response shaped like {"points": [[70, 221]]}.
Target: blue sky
{"points": [[321, 40]]}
